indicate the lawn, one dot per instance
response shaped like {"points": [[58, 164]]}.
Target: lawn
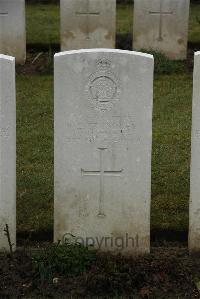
{"points": [[170, 161], [171, 130], [35, 152]]}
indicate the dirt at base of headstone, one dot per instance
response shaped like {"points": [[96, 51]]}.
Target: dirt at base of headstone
{"points": [[166, 273], [37, 63]]}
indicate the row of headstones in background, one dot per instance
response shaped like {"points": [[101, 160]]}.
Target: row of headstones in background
{"points": [[160, 25], [103, 136]]}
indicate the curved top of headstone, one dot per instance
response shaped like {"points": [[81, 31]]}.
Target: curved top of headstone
{"points": [[197, 53], [102, 50], [6, 57]]}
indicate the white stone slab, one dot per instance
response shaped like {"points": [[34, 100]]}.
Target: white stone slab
{"points": [[103, 136], [7, 150], [12, 29], [194, 215], [162, 25], [87, 24]]}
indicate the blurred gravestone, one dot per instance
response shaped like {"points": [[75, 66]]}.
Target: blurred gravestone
{"points": [[87, 24], [12, 29], [162, 25]]}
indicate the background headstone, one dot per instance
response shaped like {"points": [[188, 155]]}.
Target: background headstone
{"points": [[7, 150], [88, 24], [194, 215], [103, 136], [12, 29], [162, 25]]}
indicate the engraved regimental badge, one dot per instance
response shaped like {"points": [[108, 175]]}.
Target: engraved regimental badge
{"points": [[103, 87]]}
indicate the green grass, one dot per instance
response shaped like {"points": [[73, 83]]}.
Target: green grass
{"points": [[194, 24], [43, 22], [35, 152], [171, 151], [170, 160], [124, 18]]}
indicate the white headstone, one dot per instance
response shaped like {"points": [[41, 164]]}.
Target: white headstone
{"points": [[12, 29], [103, 135], [87, 24], [194, 215], [7, 150], [162, 25]]}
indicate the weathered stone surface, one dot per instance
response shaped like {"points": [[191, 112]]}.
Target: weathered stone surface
{"points": [[7, 150], [103, 135], [194, 215], [162, 25], [87, 24], [12, 29]]}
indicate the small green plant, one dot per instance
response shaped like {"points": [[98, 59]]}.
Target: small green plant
{"points": [[164, 65], [66, 259]]}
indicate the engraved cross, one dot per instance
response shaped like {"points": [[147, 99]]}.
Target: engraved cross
{"points": [[87, 13], [102, 174], [3, 14], [161, 13]]}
